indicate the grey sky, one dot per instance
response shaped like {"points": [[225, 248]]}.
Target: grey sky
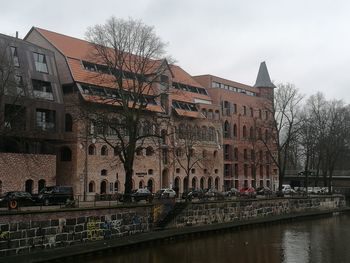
{"points": [[305, 42]]}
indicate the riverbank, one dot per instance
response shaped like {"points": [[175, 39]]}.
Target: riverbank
{"points": [[37, 237], [75, 252]]}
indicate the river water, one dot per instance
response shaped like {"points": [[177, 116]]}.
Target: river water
{"points": [[323, 240]]}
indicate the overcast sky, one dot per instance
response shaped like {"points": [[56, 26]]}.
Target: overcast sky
{"points": [[304, 42]]}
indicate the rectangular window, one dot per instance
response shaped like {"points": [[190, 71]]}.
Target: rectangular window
{"points": [[40, 62], [19, 85], [215, 84], [42, 89], [227, 170], [45, 120], [111, 187], [165, 156], [14, 55]]}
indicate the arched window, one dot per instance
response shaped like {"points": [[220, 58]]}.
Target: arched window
{"points": [[66, 154], [235, 152], [149, 151], [251, 133], [104, 150], [116, 150], [226, 129], [104, 172], [163, 134], [150, 185], [217, 115], [215, 154], [139, 151], [92, 149], [41, 185], [91, 187], [29, 186], [244, 131], [235, 130], [205, 153], [141, 184], [68, 123], [116, 186], [210, 114]]}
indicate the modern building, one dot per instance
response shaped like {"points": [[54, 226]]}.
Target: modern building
{"points": [[31, 114]]}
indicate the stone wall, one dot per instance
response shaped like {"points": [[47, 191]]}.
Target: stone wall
{"points": [[24, 233], [228, 211]]}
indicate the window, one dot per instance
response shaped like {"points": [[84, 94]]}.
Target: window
{"points": [[150, 172], [165, 156], [164, 79], [111, 187], [251, 133], [92, 149], [235, 108], [91, 187], [104, 150], [244, 132], [226, 170], [215, 84], [66, 154], [45, 120], [235, 130], [216, 171], [42, 89], [103, 172], [149, 151], [193, 171], [236, 154], [184, 106], [40, 62], [245, 154], [68, 123], [244, 110], [177, 170], [251, 112], [267, 171], [178, 152], [215, 154], [259, 114], [139, 151], [226, 129], [266, 115], [14, 56], [236, 169], [19, 85], [252, 155], [227, 152]]}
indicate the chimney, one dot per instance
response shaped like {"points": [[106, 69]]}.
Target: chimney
{"points": [[16, 34]]}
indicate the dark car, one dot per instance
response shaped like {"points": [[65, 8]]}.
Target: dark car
{"points": [[56, 195], [13, 200], [264, 191], [193, 193], [142, 194]]}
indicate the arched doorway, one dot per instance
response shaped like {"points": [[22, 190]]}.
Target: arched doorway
{"points": [[177, 186], [41, 185], [194, 182], [202, 183], [185, 186], [210, 183], [217, 181], [103, 187], [141, 184], [29, 186], [165, 178], [150, 185]]}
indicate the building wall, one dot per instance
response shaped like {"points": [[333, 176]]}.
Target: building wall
{"points": [[237, 101], [16, 169]]}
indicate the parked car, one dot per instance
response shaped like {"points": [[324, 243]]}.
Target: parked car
{"points": [[264, 191], [214, 193], [13, 200], [248, 192], [54, 195], [232, 192], [165, 193], [142, 194], [193, 193], [287, 189]]}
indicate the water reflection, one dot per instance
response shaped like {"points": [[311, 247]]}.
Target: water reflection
{"points": [[312, 241]]}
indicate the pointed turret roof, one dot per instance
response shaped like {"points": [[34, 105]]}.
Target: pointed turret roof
{"points": [[263, 79]]}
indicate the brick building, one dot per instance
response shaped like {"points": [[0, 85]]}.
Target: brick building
{"points": [[220, 119], [31, 114]]}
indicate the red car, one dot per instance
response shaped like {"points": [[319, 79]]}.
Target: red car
{"points": [[248, 192]]}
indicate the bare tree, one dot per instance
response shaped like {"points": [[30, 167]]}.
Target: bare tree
{"points": [[129, 60], [189, 151], [283, 126]]}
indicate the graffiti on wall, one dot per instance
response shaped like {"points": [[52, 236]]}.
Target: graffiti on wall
{"points": [[94, 231]]}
